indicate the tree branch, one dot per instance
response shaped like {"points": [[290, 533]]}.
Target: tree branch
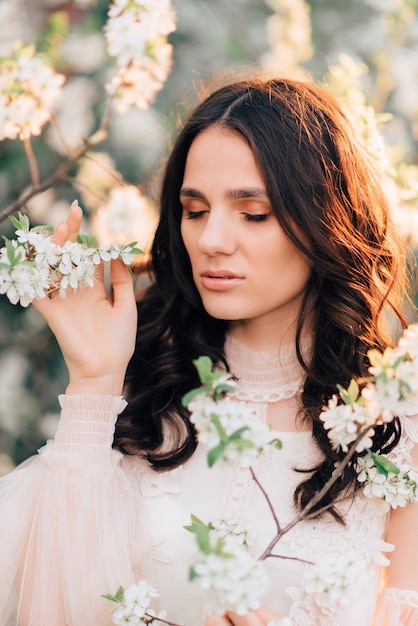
{"points": [[60, 173]]}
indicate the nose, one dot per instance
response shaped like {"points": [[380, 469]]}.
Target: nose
{"points": [[218, 234]]}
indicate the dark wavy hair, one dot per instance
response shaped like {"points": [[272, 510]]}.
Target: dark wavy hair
{"points": [[322, 184]]}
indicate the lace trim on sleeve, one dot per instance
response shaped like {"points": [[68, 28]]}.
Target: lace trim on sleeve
{"points": [[397, 607], [86, 426], [401, 454]]}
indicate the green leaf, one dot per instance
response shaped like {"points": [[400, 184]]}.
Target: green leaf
{"points": [[43, 228], [215, 453], [21, 222], [221, 430], [11, 252], [88, 240], [237, 433], [224, 387], [201, 532], [15, 222], [204, 367], [133, 248], [118, 597], [349, 395], [276, 443], [383, 464], [244, 443], [108, 596], [188, 397]]}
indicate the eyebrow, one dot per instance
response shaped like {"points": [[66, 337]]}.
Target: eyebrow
{"points": [[235, 194]]}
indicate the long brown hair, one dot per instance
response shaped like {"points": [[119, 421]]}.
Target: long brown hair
{"points": [[321, 183]]}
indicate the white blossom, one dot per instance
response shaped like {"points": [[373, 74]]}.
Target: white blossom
{"points": [[231, 581], [408, 343], [22, 284], [28, 91], [335, 578], [397, 489], [136, 34], [344, 422], [134, 604], [255, 438], [33, 266], [232, 530], [134, 25], [127, 215]]}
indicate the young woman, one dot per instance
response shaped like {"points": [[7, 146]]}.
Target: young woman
{"points": [[275, 256]]}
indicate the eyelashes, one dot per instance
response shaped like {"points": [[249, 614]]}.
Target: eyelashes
{"points": [[249, 217]]}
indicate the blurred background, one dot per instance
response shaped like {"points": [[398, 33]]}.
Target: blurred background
{"points": [[365, 51]]}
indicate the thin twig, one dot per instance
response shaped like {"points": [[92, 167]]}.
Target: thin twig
{"points": [[33, 164], [266, 496], [154, 618], [290, 558], [60, 134], [316, 499], [60, 173]]}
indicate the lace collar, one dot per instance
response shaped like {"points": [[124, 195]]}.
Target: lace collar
{"points": [[266, 376]]}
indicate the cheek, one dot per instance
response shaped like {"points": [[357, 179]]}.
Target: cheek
{"points": [[185, 237], [189, 244], [285, 262]]}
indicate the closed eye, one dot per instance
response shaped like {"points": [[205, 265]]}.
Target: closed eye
{"points": [[256, 217], [192, 215]]}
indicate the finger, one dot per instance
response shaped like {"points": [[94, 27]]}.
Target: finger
{"points": [[217, 620], [61, 234], [249, 619], [123, 289], [266, 616], [74, 219], [69, 229]]}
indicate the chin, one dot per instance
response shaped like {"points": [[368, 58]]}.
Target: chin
{"points": [[223, 313]]}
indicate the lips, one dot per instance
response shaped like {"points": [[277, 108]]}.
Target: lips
{"points": [[220, 274], [220, 280]]}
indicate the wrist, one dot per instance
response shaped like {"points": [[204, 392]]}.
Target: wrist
{"points": [[110, 385]]}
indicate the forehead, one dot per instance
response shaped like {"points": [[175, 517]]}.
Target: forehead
{"points": [[221, 155]]}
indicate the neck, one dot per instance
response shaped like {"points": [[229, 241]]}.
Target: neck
{"points": [[261, 336], [269, 375]]}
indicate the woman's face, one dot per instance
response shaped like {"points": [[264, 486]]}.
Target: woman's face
{"points": [[245, 268]]}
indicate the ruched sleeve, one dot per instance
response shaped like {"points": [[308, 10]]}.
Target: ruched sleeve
{"points": [[71, 527], [398, 603]]}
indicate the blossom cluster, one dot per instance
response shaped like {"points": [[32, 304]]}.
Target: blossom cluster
{"points": [[229, 428], [335, 578], [226, 573], [33, 266], [133, 605], [231, 581], [396, 485], [390, 388], [136, 33], [28, 91]]}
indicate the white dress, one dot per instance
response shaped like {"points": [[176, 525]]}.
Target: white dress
{"points": [[80, 519]]}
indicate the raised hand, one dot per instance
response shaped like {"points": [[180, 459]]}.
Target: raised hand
{"points": [[95, 331]]}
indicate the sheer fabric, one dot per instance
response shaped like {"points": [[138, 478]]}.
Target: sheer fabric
{"points": [[397, 607], [59, 513], [79, 519]]}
